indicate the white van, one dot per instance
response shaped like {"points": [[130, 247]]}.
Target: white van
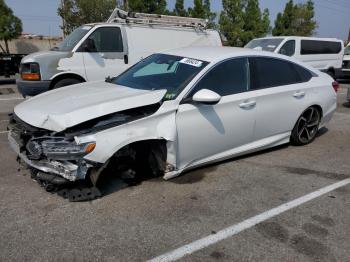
{"points": [[96, 51], [325, 54]]}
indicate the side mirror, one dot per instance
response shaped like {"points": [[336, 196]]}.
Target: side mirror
{"points": [[88, 46], [283, 51], [206, 96]]}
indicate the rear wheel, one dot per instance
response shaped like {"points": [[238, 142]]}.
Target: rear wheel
{"points": [[306, 128], [66, 82]]}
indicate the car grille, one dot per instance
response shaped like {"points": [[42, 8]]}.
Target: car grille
{"points": [[346, 64]]}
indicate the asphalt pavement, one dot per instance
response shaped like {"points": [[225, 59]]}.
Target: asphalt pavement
{"points": [[156, 217]]}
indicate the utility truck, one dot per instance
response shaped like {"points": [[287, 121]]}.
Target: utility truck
{"points": [[96, 51]]}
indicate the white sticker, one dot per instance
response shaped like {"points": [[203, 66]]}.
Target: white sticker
{"points": [[271, 46], [192, 62]]}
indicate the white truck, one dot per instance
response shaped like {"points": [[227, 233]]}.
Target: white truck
{"points": [[96, 51], [325, 54]]}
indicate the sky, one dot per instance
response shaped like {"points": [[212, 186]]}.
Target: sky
{"points": [[40, 16]]}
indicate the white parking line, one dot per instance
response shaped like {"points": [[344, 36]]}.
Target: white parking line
{"points": [[250, 222], [4, 132]]}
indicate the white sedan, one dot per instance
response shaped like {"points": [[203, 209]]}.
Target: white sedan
{"points": [[171, 112]]}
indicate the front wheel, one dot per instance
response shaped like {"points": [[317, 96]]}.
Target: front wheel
{"points": [[66, 82], [306, 128]]}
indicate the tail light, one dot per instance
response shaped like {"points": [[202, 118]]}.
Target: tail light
{"points": [[335, 85]]}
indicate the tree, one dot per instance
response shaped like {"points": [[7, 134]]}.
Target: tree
{"points": [[197, 10], [10, 25], [208, 14], [242, 20], [179, 9], [232, 21], [77, 12], [256, 24], [148, 6], [296, 20]]}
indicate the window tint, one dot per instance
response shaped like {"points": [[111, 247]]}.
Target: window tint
{"points": [[107, 39], [270, 72], [304, 74], [313, 47], [265, 44], [288, 48], [229, 77]]}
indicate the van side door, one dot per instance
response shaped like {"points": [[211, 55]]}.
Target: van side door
{"points": [[105, 53]]}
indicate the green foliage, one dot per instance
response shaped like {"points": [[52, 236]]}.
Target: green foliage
{"points": [[209, 15], [148, 6], [78, 12], [296, 19], [179, 9], [10, 25], [242, 20]]}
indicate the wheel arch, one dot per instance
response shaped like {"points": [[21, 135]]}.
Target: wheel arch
{"points": [[61, 76], [156, 145]]}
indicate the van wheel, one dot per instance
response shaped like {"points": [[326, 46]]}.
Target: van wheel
{"points": [[66, 82], [306, 128], [331, 73]]}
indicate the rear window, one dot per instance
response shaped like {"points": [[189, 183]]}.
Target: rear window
{"points": [[314, 47]]}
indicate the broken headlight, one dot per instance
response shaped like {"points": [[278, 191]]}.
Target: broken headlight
{"points": [[58, 148]]}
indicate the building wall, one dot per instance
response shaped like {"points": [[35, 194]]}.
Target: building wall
{"points": [[27, 46]]}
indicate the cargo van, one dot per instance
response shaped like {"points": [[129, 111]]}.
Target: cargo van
{"points": [[96, 51], [325, 54]]}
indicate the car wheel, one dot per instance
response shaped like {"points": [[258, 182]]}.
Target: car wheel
{"points": [[66, 82], [306, 128]]}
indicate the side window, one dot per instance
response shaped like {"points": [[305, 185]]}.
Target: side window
{"points": [[304, 74], [228, 78], [271, 72], [313, 47], [105, 39], [288, 48]]}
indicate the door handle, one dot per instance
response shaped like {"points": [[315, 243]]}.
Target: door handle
{"points": [[247, 104], [299, 94]]}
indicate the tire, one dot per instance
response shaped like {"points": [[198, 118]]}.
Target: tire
{"points": [[306, 128], [66, 82], [331, 73]]}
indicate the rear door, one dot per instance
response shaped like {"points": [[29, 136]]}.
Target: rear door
{"points": [[281, 92], [105, 53]]}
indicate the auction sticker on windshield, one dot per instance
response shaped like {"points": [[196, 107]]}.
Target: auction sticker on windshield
{"points": [[192, 62]]}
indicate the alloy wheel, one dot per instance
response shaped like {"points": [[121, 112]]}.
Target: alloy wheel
{"points": [[308, 125]]}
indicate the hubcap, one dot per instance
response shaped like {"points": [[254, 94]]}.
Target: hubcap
{"points": [[308, 125]]}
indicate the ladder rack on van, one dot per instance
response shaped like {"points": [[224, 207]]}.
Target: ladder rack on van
{"points": [[121, 16]]}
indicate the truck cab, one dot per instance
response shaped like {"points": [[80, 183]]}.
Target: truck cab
{"points": [[96, 51]]}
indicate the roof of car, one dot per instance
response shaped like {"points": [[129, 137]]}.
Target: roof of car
{"points": [[213, 54]]}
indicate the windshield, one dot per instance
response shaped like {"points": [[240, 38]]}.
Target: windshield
{"points": [[160, 71], [266, 44], [73, 38], [347, 50]]}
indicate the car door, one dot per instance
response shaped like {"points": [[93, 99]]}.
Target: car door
{"points": [[104, 53], [280, 90], [208, 131]]}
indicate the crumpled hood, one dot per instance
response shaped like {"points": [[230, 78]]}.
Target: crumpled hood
{"points": [[60, 109]]}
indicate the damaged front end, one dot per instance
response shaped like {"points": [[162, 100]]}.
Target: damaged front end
{"points": [[55, 159]]}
